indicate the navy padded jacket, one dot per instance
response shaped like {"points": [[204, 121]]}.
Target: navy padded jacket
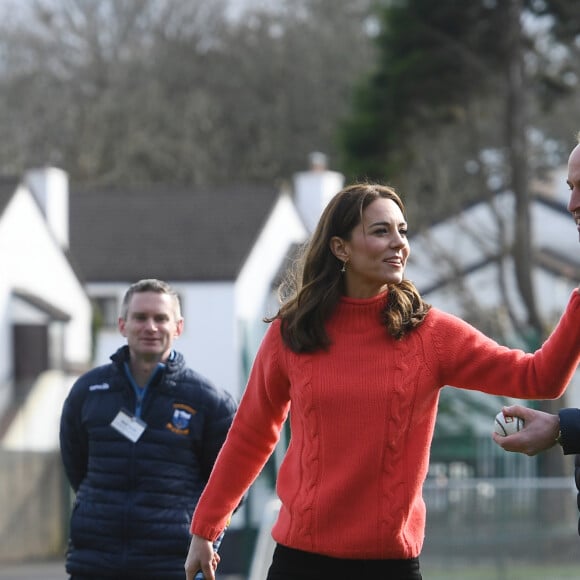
{"points": [[570, 437], [134, 501]]}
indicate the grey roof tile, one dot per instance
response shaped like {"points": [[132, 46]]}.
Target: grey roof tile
{"points": [[172, 233]]}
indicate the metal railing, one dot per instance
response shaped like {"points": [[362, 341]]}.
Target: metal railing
{"points": [[492, 523]]}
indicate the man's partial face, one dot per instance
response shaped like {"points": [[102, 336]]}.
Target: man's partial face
{"points": [[574, 185], [151, 325]]}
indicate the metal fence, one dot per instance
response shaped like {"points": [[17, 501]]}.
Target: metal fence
{"points": [[488, 529], [502, 523]]}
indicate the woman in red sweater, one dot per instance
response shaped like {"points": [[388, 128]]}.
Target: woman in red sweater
{"points": [[357, 359]]}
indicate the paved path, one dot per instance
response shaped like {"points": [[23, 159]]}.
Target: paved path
{"points": [[53, 570]]}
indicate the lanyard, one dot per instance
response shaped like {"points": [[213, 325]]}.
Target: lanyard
{"points": [[140, 392]]}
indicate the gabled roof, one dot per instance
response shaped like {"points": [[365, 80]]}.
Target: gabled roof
{"points": [[468, 242], [41, 304], [8, 186], [172, 233]]}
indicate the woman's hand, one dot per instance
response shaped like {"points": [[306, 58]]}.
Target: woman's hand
{"points": [[201, 556]]}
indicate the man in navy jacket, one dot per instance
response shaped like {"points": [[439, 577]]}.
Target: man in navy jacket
{"points": [[138, 439]]}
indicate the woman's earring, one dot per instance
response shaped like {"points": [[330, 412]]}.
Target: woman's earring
{"points": [[343, 269]]}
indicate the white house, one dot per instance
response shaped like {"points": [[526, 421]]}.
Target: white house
{"points": [[470, 244], [221, 248], [458, 265], [45, 313]]}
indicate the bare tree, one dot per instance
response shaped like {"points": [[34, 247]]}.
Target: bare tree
{"points": [[121, 91]]}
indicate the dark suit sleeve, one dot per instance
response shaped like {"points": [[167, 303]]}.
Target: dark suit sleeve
{"points": [[570, 430]]}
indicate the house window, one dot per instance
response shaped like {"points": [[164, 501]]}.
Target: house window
{"points": [[106, 310]]}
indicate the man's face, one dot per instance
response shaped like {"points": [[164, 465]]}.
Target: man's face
{"points": [[151, 325], [574, 185]]}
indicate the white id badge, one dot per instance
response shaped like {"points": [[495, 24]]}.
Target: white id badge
{"points": [[128, 425]]}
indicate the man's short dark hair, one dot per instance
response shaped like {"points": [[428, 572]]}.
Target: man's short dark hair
{"points": [[150, 285]]}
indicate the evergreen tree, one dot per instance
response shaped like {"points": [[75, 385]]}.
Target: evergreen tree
{"points": [[436, 60]]}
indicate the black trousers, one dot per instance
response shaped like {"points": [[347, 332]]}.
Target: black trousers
{"points": [[291, 564], [92, 577]]}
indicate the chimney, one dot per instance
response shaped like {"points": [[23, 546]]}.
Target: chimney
{"points": [[314, 188], [49, 185]]}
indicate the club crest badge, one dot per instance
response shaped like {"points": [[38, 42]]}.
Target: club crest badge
{"points": [[180, 419]]}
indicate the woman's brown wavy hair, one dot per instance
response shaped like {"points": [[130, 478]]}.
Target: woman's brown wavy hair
{"points": [[313, 287]]}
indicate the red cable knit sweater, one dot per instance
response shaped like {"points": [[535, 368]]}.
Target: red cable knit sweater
{"points": [[362, 420]]}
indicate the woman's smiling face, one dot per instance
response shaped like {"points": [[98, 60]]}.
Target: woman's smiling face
{"points": [[376, 252]]}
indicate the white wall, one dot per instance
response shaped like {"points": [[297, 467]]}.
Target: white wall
{"points": [[31, 260], [313, 190], [467, 239], [209, 341], [223, 320], [50, 187], [255, 284]]}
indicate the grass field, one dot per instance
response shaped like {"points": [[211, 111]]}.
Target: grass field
{"points": [[507, 571]]}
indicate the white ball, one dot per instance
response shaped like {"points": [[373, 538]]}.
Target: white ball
{"points": [[507, 425]]}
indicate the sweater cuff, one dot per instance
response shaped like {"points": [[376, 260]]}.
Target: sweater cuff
{"points": [[210, 533], [570, 430]]}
